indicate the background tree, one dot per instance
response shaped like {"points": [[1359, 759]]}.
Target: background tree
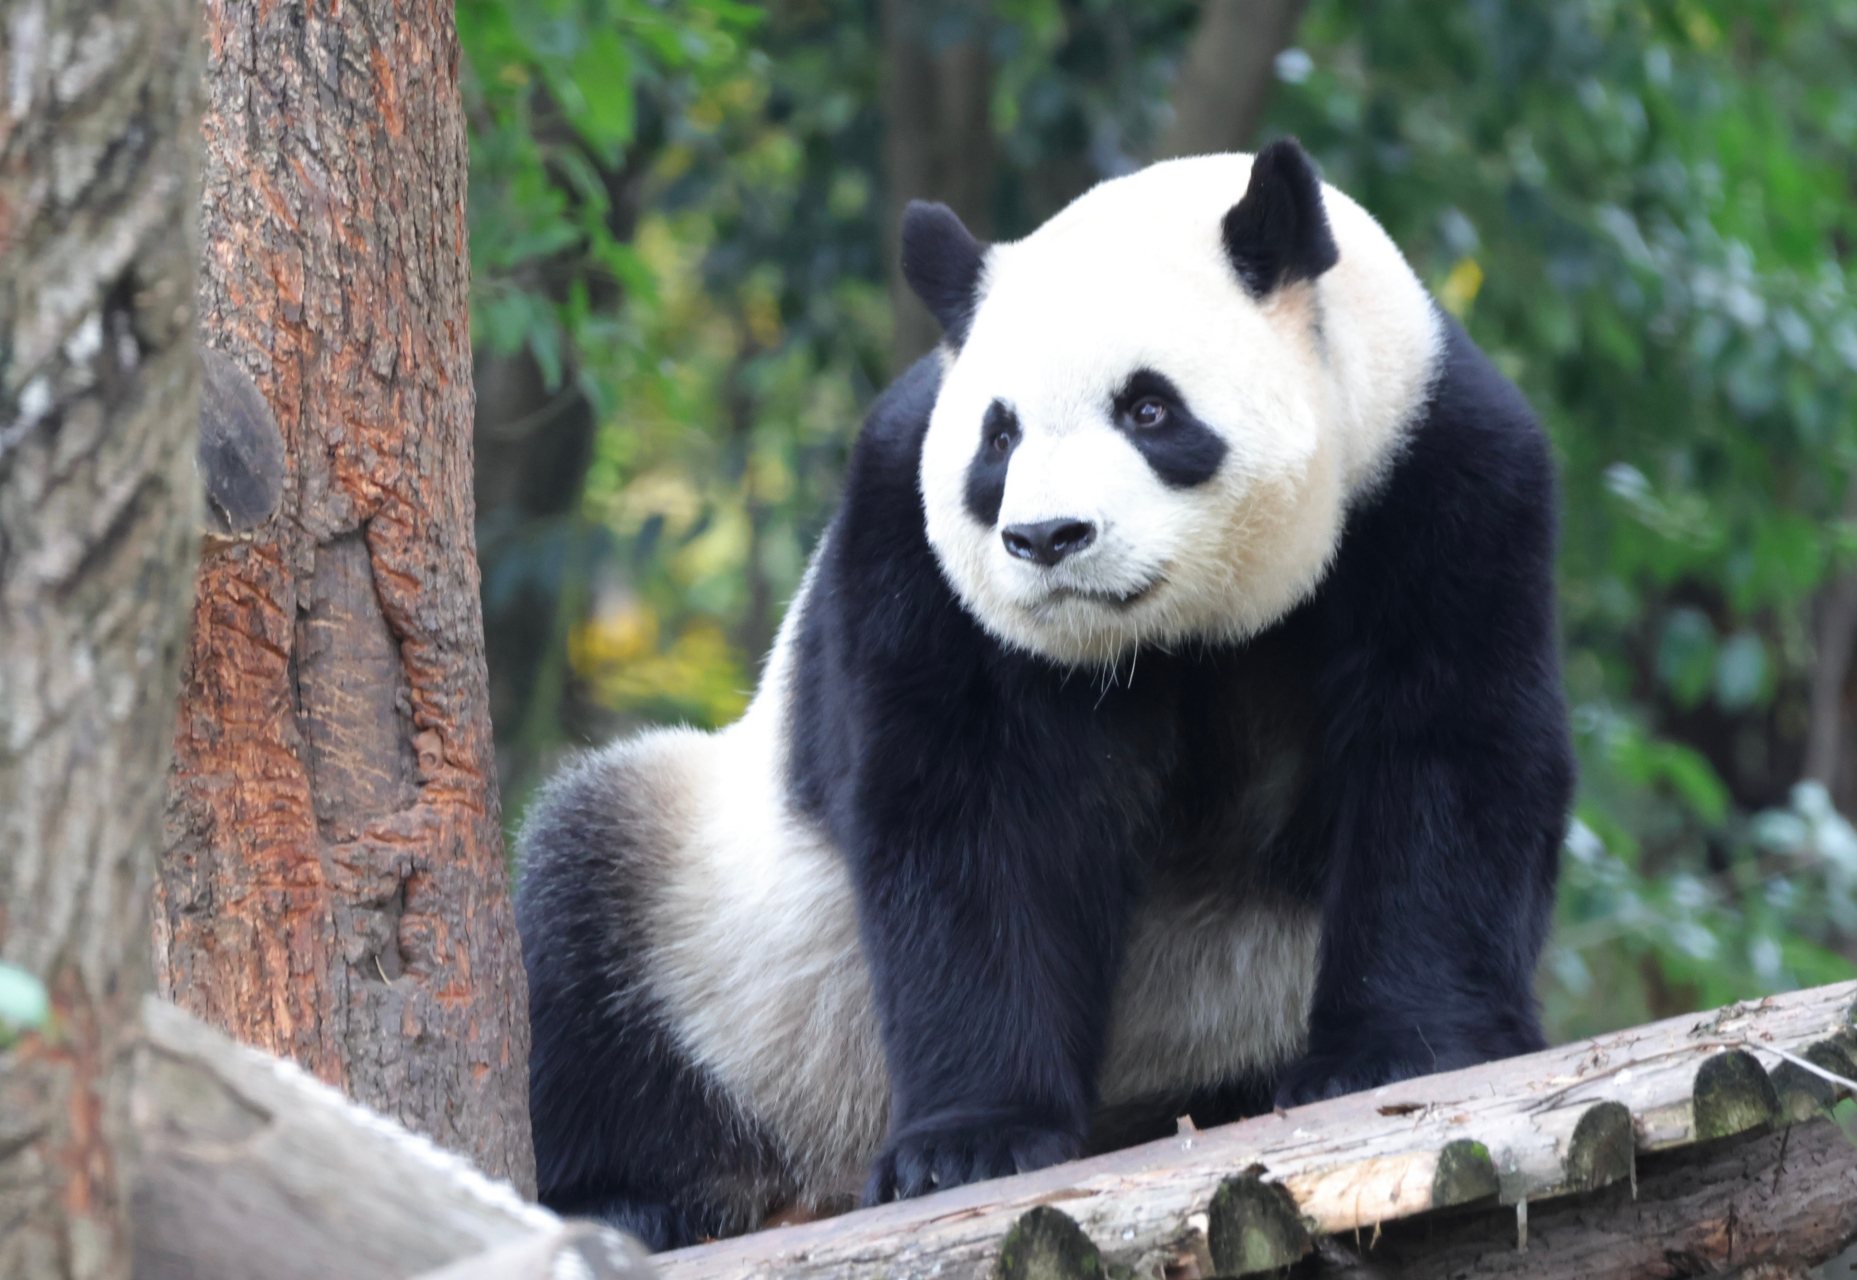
{"points": [[99, 519], [333, 887], [937, 137], [1224, 81]]}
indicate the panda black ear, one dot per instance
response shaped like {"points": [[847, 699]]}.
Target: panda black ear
{"points": [[1278, 233], [942, 261]]}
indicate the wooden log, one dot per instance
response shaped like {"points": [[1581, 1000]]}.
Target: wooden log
{"points": [[1253, 1226], [581, 1250], [1045, 1244], [249, 1167], [1804, 1094], [1775, 1203], [1563, 1122]]}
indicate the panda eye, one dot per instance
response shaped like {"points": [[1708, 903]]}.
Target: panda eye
{"points": [[1149, 413], [1001, 442]]}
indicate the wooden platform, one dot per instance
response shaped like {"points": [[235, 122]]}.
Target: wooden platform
{"points": [[1700, 1144]]}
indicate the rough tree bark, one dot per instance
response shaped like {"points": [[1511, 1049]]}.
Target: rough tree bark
{"points": [[99, 518], [333, 888], [938, 138], [1224, 84]]}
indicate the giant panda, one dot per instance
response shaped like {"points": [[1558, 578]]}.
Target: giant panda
{"points": [[1169, 722]]}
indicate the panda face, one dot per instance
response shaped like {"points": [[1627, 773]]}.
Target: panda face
{"points": [[1143, 436]]}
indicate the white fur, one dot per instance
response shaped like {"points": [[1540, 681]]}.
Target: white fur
{"points": [[754, 950], [1311, 391], [1208, 994]]}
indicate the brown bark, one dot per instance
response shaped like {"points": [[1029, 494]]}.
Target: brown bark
{"points": [[938, 137], [1224, 83], [333, 889], [99, 520]]}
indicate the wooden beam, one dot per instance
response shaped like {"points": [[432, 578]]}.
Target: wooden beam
{"points": [[248, 1167], [1772, 1204], [1569, 1120]]}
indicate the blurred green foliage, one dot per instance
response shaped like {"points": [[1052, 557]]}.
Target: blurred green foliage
{"points": [[1643, 209]]}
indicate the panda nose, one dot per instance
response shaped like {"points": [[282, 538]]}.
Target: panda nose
{"points": [[1048, 541]]}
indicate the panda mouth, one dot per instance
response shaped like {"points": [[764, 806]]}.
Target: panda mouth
{"points": [[1118, 600]]}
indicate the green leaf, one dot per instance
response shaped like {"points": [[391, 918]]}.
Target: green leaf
{"points": [[603, 71]]}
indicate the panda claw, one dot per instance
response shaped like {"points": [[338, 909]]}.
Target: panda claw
{"points": [[941, 1160]]}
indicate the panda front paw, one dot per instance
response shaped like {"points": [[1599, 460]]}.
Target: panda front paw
{"points": [[917, 1163], [1383, 1060]]}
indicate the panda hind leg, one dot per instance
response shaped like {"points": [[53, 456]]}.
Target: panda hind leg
{"points": [[627, 1126]]}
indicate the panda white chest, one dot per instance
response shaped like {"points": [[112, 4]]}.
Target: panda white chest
{"points": [[1208, 992]]}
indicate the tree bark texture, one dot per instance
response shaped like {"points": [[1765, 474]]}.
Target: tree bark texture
{"points": [[1224, 84], [99, 520], [333, 889], [938, 137]]}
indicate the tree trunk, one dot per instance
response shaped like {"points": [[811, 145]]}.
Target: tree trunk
{"points": [[1835, 635], [333, 889], [99, 525], [1224, 84], [938, 137]]}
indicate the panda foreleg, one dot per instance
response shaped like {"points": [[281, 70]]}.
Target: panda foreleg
{"points": [[1441, 888], [1447, 770], [993, 912]]}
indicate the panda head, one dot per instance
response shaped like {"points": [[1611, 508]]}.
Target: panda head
{"points": [[1154, 408]]}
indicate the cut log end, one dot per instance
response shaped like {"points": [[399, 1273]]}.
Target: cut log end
{"points": [[1465, 1173], [1254, 1226], [1045, 1244], [1733, 1095], [1804, 1094], [1602, 1150]]}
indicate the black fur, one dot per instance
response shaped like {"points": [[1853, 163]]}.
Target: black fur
{"points": [[1183, 451], [1278, 234], [986, 474], [626, 1127], [1001, 816], [942, 262]]}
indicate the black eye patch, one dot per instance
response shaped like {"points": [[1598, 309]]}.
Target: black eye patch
{"points": [[986, 474], [1151, 412]]}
